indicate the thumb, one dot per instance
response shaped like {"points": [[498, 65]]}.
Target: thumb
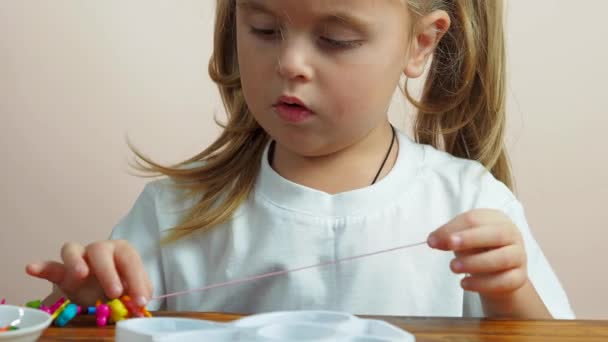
{"points": [[50, 270]]}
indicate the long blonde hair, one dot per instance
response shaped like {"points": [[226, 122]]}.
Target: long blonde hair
{"points": [[461, 109]]}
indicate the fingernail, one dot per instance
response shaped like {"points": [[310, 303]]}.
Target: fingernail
{"points": [[117, 289], [456, 240], [465, 283], [457, 266], [80, 270], [432, 241], [141, 301], [35, 268]]}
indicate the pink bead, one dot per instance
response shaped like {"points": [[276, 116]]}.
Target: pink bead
{"points": [[46, 309], [102, 313], [103, 310], [102, 321], [57, 304]]}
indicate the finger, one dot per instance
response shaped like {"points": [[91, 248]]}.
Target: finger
{"points": [[76, 266], [493, 283], [484, 237], [443, 237], [49, 270], [495, 260], [131, 269], [101, 261]]}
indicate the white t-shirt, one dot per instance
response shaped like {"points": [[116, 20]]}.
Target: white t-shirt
{"points": [[284, 225]]}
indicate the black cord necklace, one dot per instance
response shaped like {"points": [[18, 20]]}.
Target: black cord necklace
{"points": [[385, 157], [388, 153]]}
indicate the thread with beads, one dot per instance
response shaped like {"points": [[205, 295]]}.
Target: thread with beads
{"points": [[115, 310]]}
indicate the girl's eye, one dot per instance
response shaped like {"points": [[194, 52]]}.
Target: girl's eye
{"points": [[340, 44], [272, 34], [267, 34]]}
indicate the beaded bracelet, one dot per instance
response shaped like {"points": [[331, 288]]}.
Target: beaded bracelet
{"points": [[63, 311]]}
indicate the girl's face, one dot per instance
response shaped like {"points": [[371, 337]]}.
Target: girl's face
{"points": [[341, 58]]}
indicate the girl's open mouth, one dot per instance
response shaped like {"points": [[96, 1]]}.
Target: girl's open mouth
{"points": [[292, 109]]}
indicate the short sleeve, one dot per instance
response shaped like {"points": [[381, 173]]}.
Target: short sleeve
{"points": [[141, 229], [541, 274]]}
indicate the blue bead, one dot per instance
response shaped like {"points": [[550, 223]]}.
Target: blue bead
{"points": [[66, 315]]}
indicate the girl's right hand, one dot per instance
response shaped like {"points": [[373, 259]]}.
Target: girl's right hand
{"points": [[103, 269]]}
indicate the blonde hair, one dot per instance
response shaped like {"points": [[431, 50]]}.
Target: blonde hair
{"points": [[461, 108]]}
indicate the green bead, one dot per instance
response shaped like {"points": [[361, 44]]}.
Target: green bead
{"points": [[13, 328], [35, 304]]}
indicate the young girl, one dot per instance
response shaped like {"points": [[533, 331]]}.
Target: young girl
{"points": [[309, 170]]}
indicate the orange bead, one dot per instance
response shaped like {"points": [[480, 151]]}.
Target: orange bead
{"points": [[146, 312]]}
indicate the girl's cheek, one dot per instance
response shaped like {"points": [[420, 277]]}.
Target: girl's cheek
{"points": [[351, 92]]}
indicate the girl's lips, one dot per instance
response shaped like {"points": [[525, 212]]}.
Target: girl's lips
{"points": [[292, 109], [292, 113]]}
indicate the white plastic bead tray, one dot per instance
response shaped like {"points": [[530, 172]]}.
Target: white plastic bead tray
{"points": [[283, 326]]}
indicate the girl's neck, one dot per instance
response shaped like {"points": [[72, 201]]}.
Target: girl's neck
{"points": [[351, 168]]}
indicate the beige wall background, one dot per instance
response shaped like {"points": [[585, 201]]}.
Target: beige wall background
{"points": [[77, 76]]}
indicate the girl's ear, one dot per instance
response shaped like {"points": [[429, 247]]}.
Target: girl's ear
{"points": [[427, 32]]}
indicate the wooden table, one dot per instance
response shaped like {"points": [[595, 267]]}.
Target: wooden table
{"points": [[425, 329]]}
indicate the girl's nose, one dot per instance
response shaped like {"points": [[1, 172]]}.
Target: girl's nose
{"points": [[294, 61]]}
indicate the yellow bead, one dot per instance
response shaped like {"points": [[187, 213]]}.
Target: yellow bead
{"points": [[118, 311]]}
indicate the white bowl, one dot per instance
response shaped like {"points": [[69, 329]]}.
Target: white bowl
{"points": [[286, 326], [161, 328], [337, 320], [32, 325]]}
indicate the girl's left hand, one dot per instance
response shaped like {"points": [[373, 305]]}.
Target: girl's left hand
{"points": [[489, 248]]}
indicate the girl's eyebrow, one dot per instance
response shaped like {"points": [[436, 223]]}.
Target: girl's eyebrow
{"points": [[253, 6], [340, 17], [345, 18]]}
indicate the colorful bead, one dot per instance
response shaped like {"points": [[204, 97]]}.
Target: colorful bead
{"points": [[59, 310], [118, 310], [66, 315], [146, 312], [102, 312], [134, 310], [63, 311], [57, 305], [35, 304]]}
